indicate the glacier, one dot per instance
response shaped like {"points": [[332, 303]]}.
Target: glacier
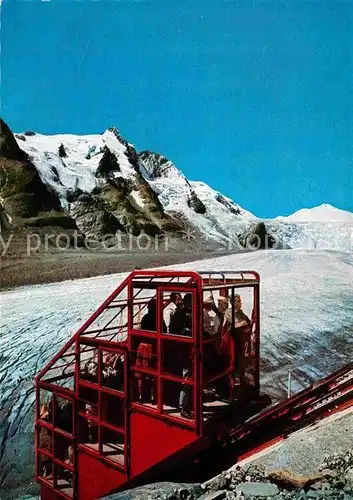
{"points": [[306, 318]]}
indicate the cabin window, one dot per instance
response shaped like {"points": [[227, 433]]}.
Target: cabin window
{"points": [[89, 363], [46, 406], [177, 313], [143, 358], [178, 396], [63, 480], [45, 467], [177, 357], [112, 370], [63, 449], [144, 310], [63, 414], [112, 410], [113, 445]]}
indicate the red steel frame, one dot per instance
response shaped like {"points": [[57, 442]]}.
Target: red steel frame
{"points": [[194, 283]]}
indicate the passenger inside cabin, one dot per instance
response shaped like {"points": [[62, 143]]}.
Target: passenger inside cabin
{"points": [[208, 319], [240, 318], [149, 320], [92, 411], [145, 383], [113, 371], [222, 318], [182, 325], [170, 309], [90, 371]]}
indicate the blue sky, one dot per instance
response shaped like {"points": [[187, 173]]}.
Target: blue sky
{"points": [[254, 98]]}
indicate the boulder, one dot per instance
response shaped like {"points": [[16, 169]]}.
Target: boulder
{"points": [[160, 491], [252, 489], [196, 204], [8, 146], [289, 480], [256, 237]]}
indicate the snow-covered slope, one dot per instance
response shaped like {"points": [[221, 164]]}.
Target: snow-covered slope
{"points": [[77, 169], [200, 208], [212, 213], [148, 188], [322, 227], [307, 325], [322, 213]]}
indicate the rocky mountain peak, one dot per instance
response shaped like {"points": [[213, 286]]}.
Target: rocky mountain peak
{"points": [[157, 165], [8, 146], [117, 134], [108, 164]]}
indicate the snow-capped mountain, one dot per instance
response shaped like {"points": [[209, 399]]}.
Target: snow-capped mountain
{"points": [[322, 213], [100, 184], [212, 213], [131, 191], [323, 227]]}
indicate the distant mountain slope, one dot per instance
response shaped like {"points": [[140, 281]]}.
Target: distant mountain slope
{"points": [[322, 213], [324, 227], [100, 184], [23, 194], [105, 185]]}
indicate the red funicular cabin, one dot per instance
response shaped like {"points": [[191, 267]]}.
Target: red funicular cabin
{"points": [[155, 375]]}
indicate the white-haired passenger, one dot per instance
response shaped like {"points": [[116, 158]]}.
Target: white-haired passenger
{"points": [[208, 319]]}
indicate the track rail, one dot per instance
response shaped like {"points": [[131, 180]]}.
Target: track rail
{"points": [[272, 425]]}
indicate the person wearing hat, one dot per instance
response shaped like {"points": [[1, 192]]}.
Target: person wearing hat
{"points": [[208, 321], [240, 318], [170, 309], [221, 318]]}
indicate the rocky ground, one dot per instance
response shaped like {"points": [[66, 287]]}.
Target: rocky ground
{"points": [[21, 263], [301, 467], [333, 479], [71, 265]]}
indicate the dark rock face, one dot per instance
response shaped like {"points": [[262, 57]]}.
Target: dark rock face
{"points": [[8, 146], [62, 151], [91, 218], [196, 204], [229, 205], [108, 164], [21, 137], [73, 194], [5, 220], [116, 132], [155, 164], [256, 237], [132, 156], [23, 192]]}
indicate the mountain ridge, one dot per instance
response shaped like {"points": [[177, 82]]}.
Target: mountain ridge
{"points": [[100, 184], [103, 183]]}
